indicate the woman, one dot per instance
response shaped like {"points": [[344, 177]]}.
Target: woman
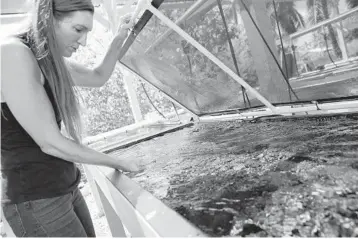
{"points": [[39, 178]]}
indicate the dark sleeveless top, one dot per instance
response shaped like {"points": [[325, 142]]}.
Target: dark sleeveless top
{"points": [[27, 172]]}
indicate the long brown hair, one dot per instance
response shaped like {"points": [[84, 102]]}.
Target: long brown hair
{"points": [[42, 39]]}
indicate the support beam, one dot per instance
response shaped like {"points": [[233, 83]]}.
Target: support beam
{"points": [[183, 18], [272, 84], [110, 7], [128, 79], [339, 18], [313, 109], [341, 41], [114, 222], [94, 190]]}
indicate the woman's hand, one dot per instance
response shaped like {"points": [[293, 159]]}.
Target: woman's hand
{"points": [[126, 23], [130, 165]]}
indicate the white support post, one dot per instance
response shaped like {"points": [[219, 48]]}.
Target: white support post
{"points": [[208, 54], [128, 79], [114, 222], [94, 190], [341, 40], [110, 6]]}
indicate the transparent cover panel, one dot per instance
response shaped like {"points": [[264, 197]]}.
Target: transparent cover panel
{"points": [[178, 69], [191, 79]]}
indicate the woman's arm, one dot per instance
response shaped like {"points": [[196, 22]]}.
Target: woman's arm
{"points": [[97, 77], [29, 103]]}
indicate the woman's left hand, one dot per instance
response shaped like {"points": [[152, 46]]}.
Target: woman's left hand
{"points": [[125, 23]]}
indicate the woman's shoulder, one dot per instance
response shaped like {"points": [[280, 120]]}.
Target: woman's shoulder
{"points": [[14, 44], [16, 55], [14, 50]]}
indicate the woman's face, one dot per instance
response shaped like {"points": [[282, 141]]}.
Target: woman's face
{"points": [[71, 31]]}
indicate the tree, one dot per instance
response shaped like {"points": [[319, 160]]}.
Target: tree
{"points": [[352, 3], [320, 10], [289, 18]]}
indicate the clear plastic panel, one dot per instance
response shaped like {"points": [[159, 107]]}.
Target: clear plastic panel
{"points": [[196, 82], [153, 104], [182, 72], [176, 67], [223, 34]]}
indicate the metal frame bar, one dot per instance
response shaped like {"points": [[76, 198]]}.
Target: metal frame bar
{"points": [[338, 19], [114, 146], [187, 14], [208, 54], [147, 15], [342, 42], [323, 108], [322, 24]]}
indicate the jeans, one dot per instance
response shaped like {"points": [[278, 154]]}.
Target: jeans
{"points": [[64, 216]]}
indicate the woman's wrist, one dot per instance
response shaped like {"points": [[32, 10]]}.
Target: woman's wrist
{"points": [[121, 36]]}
